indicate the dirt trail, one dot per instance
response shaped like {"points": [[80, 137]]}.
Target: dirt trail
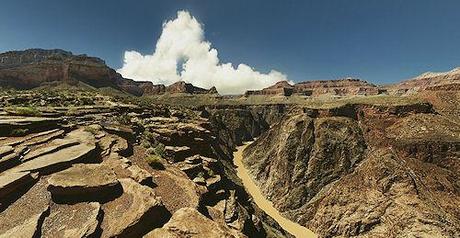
{"points": [[264, 204]]}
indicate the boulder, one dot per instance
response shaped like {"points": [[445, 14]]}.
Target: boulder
{"points": [[176, 189], [72, 221], [10, 181], [84, 182], [23, 217], [188, 222], [137, 211]]}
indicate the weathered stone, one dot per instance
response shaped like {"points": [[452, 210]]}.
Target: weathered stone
{"points": [[84, 182], [72, 221], [55, 146], [8, 125], [199, 180], [5, 150], [137, 211], [177, 153], [188, 222], [24, 217], [10, 181], [176, 189], [64, 157], [29, 228]]}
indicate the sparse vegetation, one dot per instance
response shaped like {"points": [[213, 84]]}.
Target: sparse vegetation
{"points": [[160, 150], [210, 173], [200, 175], [123, 119], [146, 144], [155, 161], [23, 111], [91, 130], [19, 132]]}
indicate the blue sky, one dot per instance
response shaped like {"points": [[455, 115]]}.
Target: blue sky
{"points": [[379, 41]]}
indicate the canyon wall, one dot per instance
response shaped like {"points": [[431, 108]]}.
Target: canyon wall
{"points": [[363, 170]]}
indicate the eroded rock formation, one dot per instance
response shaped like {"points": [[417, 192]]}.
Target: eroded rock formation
{"points": [[369, 171], [340, 87]]}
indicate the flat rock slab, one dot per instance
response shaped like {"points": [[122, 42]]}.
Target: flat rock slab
{"points": [[10, 181], [123, 168], [54, 146], [31, 138], [84, 181], [5, 150], [176, 189], [72, 221], [29, 228], [23, 217], [134, 213], [63, 157], [8, 124], [188, 222]]}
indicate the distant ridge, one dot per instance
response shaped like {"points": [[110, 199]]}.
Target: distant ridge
{"points": [[32, 68]]}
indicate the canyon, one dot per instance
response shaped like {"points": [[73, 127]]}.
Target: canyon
{"points": [[85, 152]]}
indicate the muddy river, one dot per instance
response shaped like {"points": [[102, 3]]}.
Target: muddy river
{"points": [[264, 204]]}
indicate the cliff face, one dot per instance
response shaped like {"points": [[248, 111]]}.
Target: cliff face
{"points": [[363, 170], [430, 81], [33, 68], [340, 87], [183, 87], [37, 67]]}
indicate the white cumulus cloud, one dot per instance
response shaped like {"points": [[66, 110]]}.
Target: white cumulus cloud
{"points": [[182, 53]]}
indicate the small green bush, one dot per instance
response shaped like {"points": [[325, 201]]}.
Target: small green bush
{"points": [[19, 132], [210, 173], [146, 144], [200, 175], [91, 130], [155, 161], [23, 111], [160, 150]]}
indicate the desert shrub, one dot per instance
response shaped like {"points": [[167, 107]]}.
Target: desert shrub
{"points": [[146, 144], [71, 111], [150, 136], [19, 132], [123, 119], [160, 150], [23, 111], [210, 173], [151, 151], [91, 130], [200, 175], [155, 161]]}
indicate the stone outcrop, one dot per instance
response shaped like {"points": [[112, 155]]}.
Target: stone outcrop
{"points": [[282, 88], [362, 171], [25, 216], [77, 220], [183, 87], [142, 211], [430, 81], [189, 222], [34, 68], [340, 87], [91, 182]]}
